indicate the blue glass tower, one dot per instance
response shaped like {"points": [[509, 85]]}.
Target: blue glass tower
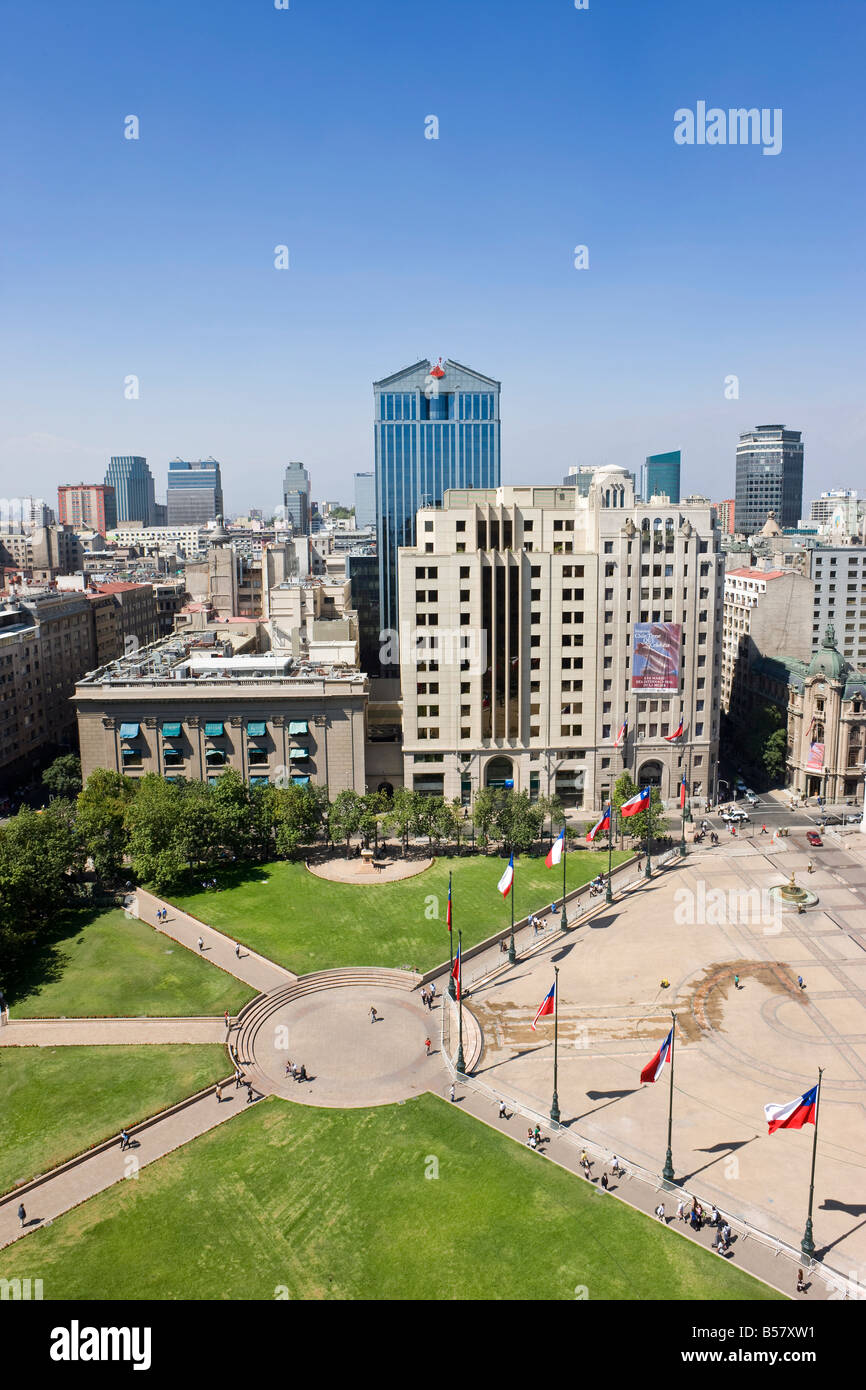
{"points": [[661, 476], [132, 481], [195, 492], [436, 427]]}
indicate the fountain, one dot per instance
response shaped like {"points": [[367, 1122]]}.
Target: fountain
{"points": [[790, 894]]}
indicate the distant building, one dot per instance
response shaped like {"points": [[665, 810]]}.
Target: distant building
{"points": [[41, 553], [365, 500], [827, 726], [138, 621], [195, 492], [132, 481], [660, 476], [769, 478], [767, 614], [24, 514], [296, 498], [839, 575], [87, 506], [724, 515], [187, 541]]}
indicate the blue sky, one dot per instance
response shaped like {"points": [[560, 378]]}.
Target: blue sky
{"points": [[305, 127]]}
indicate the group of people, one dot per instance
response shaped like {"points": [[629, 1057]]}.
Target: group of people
{"points": [[596, 886], [533, 1138], [209, 883], [296, 1072], [428, 994], [162, 914]]}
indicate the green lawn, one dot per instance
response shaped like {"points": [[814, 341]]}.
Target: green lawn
{"points": [[307, 923], [59, 1101], [337, 1204], [105, 964]]}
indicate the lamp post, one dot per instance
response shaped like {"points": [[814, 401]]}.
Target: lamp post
{"points": [[668, 1170], [461, 1064], [608, 892], [512, 951], [451, 988], [807, 1244]]}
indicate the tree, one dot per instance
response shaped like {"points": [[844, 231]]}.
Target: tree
{"points": [[485, 812], [346, 815], [519, 821], [63, 776], [775, 753], [40, 853], [157, 841], [298, 815], [400, 815], [101, 818]]}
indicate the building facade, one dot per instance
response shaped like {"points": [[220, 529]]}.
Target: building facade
{"points": [[661, 476], [436, 427], [827, 727], [769, 478], [195, 492], [87, 506], [767, 614], [132, 481], [296, 498], [365, 501], [723, 513], [536, 622]]}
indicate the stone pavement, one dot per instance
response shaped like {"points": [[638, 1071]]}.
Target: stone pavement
{"points": [[105, 1165], [93, 1032], [255, 970]]}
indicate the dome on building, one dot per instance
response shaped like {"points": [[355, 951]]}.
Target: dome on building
{"points": [[219, 535], [771, 526], [827, 661]]}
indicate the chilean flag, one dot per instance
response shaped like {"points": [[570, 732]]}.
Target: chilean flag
{"points": [[795, 1114], [455, 972], [554, 854], [504, 884], [547, 1005], [677, 733], [448, 914], [622, 735], [653, 1070], [683, 792], [636, 804], [603, 824]]}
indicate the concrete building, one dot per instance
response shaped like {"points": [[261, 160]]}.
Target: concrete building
{"points": [[42, 552], [723, 512], [535, 621], [132, 481], [138, 621], [769, 477], [827, 726], [195, 492], [839, 576], [87, 506], [767, 614], [838, 511], [196, 704], [188, 541], [365, 501]]}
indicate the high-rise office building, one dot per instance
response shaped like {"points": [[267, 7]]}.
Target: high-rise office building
{"points": [[660, 476], [769, 478], [436, 427], [195, 492], [132, 481], [296, 498], [365, 500], [86, 506]]}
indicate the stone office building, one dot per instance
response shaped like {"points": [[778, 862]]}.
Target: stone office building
{"points": [[534, 624]]}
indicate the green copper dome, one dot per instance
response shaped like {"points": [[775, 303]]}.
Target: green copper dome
{"points": [[827, 661]]}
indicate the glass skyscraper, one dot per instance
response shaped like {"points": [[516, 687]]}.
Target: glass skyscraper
{"points": [[296, 498], [436, 427], [769, 478], [661, 476], [132, 481], [195, 492]]}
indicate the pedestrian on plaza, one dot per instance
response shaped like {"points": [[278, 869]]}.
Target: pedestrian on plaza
{"points": [[238, 949], [726, 1234], [604, 1181], [502, 1114], [537, 1132], [810, 867], [424, 997], [660, 1211], [801, 982], [451, 1091], [302, 1074], [226, 1018], [219, 1094], [124, 1140], [427, 1045], [290, 1068], [681, 1210], [432, 992], [614, 1166], [736, 982], [763, 830], [22, 1215], [639, 862], [374, 1017], [801, 1279], [249, 1092], [239, 1076], [714, 1217], [200, 944]]}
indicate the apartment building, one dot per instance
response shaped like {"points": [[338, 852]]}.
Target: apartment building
{"points": [[767, 614], [839, 577]]}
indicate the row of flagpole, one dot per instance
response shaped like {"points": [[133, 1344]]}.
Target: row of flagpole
{"points": [[792, 1115]]}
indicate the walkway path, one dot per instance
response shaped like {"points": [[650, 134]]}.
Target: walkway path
{"points": [[255, 970], [90, 1032]]}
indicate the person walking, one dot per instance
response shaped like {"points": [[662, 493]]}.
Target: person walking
{"points": [[427, 1045], [219, 1094], [424, 997], [614, 1166], [660, 1211], [736, 982], [302, 1074], [537, 1133], [432, 992], [374, 1017], [290, 1068], [726, 1234], [124, 1140], [200, 944], [226, 1018], [451, 1091], [801, 1279], [238, 949], [22, 1215], [604, 1181], [801, 982], [249, 1092], [763, 830], [681, 1210], [714, 1217]]}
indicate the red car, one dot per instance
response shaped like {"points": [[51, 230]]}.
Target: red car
{"points": [[814, 839]]}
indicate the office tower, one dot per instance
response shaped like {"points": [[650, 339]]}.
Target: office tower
{"points": [[296, 498], [769, 478], [195, 492], [87, 506], [132, 481], [365, 501], [535, 621], [660, 476], [436, 427]]}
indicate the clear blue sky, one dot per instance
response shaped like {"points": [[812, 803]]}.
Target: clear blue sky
{"points": [[306, 127]]}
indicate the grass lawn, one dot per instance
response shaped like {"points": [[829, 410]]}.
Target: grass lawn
{"points": [[59, 1101], [307, 923], [104, 964], [338, 1204]]}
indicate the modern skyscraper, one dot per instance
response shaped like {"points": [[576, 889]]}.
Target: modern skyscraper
{"points": [[769, 478], [661, 476], [83, 505], [132, 481], [365, 500], [296, 498], [436, 427], [195, 492]]}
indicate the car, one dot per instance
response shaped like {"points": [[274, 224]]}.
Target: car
{"points": [[814, 839], [854, 820], [751, 798], [833, 820], [735, 818]]}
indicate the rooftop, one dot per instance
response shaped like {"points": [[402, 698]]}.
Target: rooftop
{"points": [[210, 657]]}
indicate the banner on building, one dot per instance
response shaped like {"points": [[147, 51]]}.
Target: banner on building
{"points": [[655, 662], [816, 756]]}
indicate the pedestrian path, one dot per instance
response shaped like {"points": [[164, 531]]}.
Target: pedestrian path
{"points": [[255, 970], [46, 1198], [94, 1032]]}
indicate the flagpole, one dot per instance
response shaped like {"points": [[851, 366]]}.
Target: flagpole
{"points": [[683, 849], [461, 1064], [608, 895], [668, 1170], [564, 919], [554, 1108], [451, 989], [512, 953], [807, 1244], [648, 871]]}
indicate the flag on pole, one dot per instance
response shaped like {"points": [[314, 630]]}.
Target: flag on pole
{"points": [[622, 735], [504, 884], [677, 733], [683, 793], [795, 1114], [547, 1005], [637, 803], [554, 854], [653, 1070], [603, 824], [448, 916], [455, 973]]}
